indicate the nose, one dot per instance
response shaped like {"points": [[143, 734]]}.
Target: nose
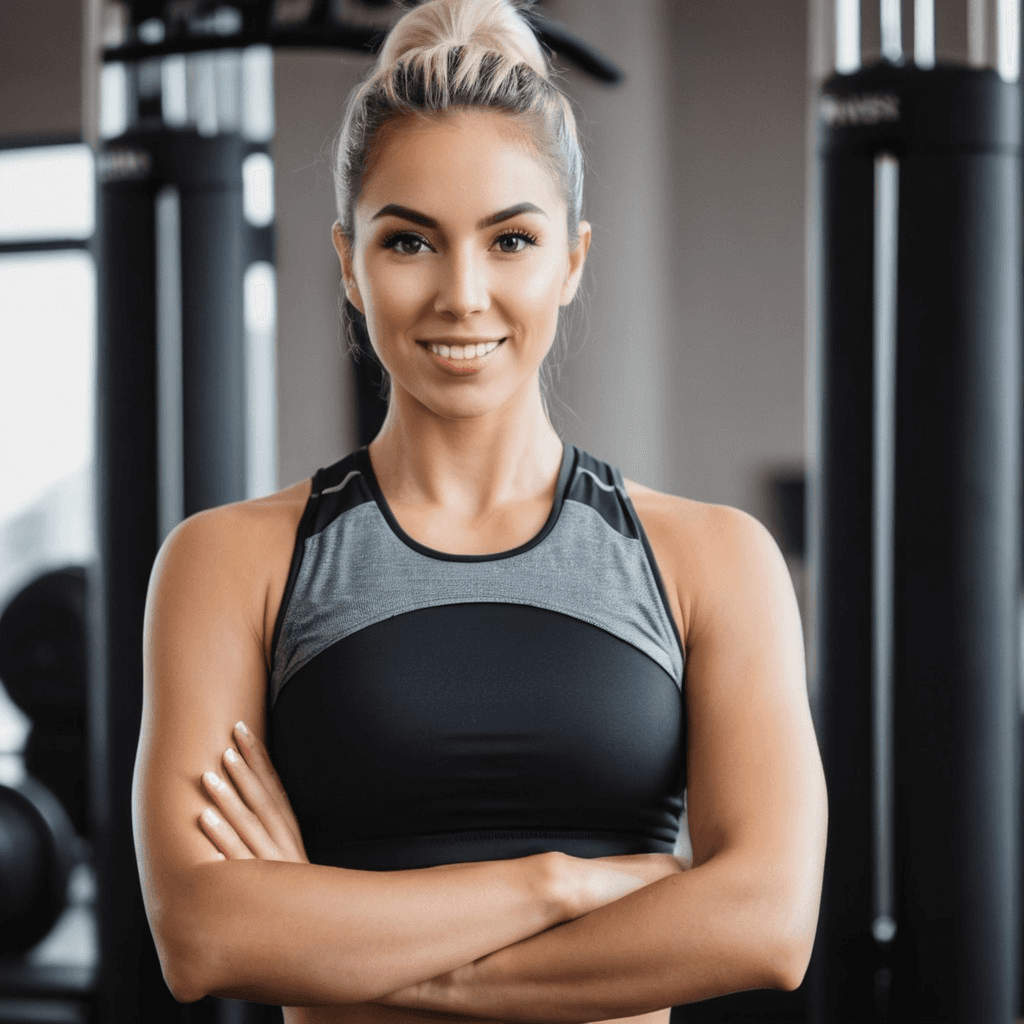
{"points": [[463, 288]]}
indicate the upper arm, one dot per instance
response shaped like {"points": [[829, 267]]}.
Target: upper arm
{"points": [[203, 670], [756, 787]]}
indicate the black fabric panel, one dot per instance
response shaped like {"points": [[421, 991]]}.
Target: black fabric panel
{"points": [[331, 504], [293, 571], [402, 853], [320, 511], [476, 732], [638, 528], [609, 504]]}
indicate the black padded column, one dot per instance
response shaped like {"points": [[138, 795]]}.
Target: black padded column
{"points": [[845, 958]]}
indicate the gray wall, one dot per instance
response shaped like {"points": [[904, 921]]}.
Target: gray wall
{"points": [[739, 96], [316, 408], [41, 49], [692, 371]]}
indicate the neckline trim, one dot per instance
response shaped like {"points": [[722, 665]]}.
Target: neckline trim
{"points": [[561, 487]]}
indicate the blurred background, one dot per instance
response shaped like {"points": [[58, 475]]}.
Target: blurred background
{"points": [[691, 358]]}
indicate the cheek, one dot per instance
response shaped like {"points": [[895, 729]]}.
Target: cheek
{"points": [[538, 285], [395, 294]]}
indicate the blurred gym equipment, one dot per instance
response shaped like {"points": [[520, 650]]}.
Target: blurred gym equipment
{"points": [[43, 668], [37, 851], [44, 814], [915, 517]]}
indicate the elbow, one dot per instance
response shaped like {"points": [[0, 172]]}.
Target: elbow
{"points": [[792, 958], [187, 960], [787, 935], [183, 971], [183, 946], [184, 985], [791, 968]]}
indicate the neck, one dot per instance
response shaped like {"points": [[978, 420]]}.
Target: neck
{"points": [[467, 466]]}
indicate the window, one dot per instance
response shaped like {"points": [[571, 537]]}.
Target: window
{"points": [[47, 375]]}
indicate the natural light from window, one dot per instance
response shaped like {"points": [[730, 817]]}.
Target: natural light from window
{"points": [[46, 192], [48, 316], [47, 378]]}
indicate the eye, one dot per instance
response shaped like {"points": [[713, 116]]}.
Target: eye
{"points": [[515, 241], [408, 243]]}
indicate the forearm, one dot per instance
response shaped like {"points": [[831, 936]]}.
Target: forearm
{"points": [[302, 934], [702, 933]]}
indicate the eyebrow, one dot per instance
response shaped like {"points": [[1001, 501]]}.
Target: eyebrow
{"points": [[395, 210]]}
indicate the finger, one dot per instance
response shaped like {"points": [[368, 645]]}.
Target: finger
{"points": [[257, 758], [218, 855], [245, 824], [223, 836], [253, 791]]}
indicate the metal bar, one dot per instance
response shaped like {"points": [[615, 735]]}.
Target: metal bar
{"points": [[886, 241], [891, 30], [847, 36], [924, 33], [49, 245], [365, 39], [170, 482]]}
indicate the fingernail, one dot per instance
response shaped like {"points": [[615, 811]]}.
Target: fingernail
{"points": [[241, 727], [210, 816], [213, 779], [230, 756]]}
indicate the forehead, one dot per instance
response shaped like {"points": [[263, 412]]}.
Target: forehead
{"points": [[477, 160]]}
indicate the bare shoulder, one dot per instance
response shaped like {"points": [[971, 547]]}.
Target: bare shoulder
{"points": [[698, 545], [690, 514], [240, 535], [240, 552]]}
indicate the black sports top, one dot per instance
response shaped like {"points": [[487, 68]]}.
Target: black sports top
{"points": [[428, 708]]}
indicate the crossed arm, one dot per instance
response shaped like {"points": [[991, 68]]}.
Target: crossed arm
{"points": [[478, 938]]}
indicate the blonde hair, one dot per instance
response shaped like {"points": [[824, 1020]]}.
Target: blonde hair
{"points": [[447, 54]]}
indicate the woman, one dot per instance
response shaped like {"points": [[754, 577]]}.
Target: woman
{"points": [[465, 644]]}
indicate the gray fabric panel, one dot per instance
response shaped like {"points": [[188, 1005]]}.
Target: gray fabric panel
{"points": [[357, 572]]}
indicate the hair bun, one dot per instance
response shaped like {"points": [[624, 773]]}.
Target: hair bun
{"points": [[427, 33], [456, 54]]}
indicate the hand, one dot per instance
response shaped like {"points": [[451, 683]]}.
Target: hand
{"points": [[438, 994], [584, 884], [255, 820], [649, 867], [589, 883]]}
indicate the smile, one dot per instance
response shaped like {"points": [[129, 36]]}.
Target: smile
{"points": [[466, 358]]}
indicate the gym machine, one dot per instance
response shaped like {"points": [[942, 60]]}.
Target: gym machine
{"points": [[915, 510]]}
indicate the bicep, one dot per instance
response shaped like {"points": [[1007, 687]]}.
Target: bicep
{"points": [[203, 670], [755, 781]]}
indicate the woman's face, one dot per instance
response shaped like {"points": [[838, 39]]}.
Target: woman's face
{"points": [[461, 239]]}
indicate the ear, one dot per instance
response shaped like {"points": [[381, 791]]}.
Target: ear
{"points": [[344, 250], [577, 258]]}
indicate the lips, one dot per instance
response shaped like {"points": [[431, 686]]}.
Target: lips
{"points": [[460, 366]]}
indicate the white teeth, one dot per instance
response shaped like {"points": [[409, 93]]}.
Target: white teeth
{"points": [[464, 351]]}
